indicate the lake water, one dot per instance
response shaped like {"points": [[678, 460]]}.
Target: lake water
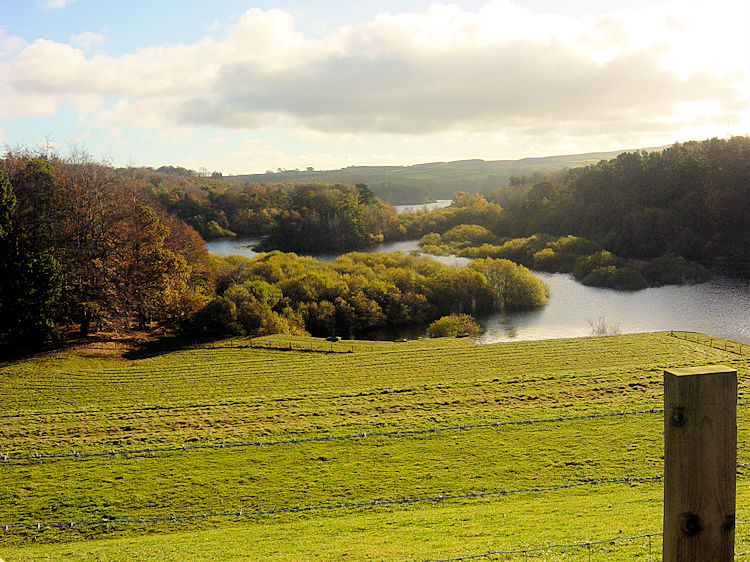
{"points": [[720, 307], [438, 204]]}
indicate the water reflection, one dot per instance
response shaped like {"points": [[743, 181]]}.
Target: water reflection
{"points": [[719, 307]]}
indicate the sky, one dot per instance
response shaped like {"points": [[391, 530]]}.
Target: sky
{"points": [[244, 87]]}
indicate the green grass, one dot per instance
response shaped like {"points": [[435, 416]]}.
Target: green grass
{"points": [[92, 401]]}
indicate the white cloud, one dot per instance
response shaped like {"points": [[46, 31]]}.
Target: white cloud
{"points": [[86, 40], [9, 44], [502, 69]]}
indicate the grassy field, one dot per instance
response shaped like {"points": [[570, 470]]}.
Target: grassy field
{"points": [[95, 400]]}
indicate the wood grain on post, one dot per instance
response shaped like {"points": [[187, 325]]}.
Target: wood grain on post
{"points": [[700, 457]]}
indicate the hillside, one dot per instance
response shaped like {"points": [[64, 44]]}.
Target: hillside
{"points": [[435, 180], [422, 463]]}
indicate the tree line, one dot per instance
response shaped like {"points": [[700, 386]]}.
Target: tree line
{"points": [[586, 260], [300, 218], [81, 245], [639, 220], [690, 200]]}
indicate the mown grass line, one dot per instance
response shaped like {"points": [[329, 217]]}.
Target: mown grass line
{"points": [[69, 402], [443, 530]]}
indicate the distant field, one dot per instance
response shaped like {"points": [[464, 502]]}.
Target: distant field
{"points": [[94, 400], [435, 180]]}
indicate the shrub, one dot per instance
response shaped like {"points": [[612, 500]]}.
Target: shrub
{"points": [[215, 230], [469, 235], [513, 286], [431, 239], [453, 325], [612, 277], [670, 269], [586, 265], [217, 318]]}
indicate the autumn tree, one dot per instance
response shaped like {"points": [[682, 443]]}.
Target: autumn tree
{"points": [[83, 247]]}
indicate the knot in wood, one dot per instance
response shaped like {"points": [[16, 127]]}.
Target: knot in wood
{"points": [[691, 524], [677, 416]]}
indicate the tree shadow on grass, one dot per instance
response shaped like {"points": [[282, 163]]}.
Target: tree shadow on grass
{"points": [[162, 346]]}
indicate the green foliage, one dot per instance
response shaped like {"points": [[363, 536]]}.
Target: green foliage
{"points": [[468, 235], [321, 218], [8, 204], [215, 230], [30, 282], [95, 249], [623, 278], [569, 254], [513, 287], [670, 269], [604, 269], [218, 317], [29, 293], [465, 210], [689, 200], [599, 260], [359, 291], [305, 217], [454, 325]]}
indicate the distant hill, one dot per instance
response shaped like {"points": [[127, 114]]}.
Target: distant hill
{"points": [[435, 180]]}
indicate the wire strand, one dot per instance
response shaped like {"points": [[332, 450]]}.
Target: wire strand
{"points": [[362, 435], [371, 503], [547, 547]]}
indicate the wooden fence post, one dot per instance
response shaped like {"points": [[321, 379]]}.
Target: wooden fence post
{"points": [[700, 463]]}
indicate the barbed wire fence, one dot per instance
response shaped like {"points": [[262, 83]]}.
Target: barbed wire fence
{"points": [[38, 525], [319, 438], [344, 505], [586, 544], [4, 457], [714, 342], [578, 545]]}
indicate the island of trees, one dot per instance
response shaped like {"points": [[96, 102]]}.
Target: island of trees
{"points": [[85, 246]]}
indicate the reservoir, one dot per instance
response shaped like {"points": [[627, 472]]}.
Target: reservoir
{"points": [[719, 307]]}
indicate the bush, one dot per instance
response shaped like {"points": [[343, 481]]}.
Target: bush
{"points": [[576, 245], [560, 261], [513, 287], [483, 251], [217, 318], [215, 230], [431, 239], [453, 325], [612, 277], [586, 265], [670, 269], [468, 235]]}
